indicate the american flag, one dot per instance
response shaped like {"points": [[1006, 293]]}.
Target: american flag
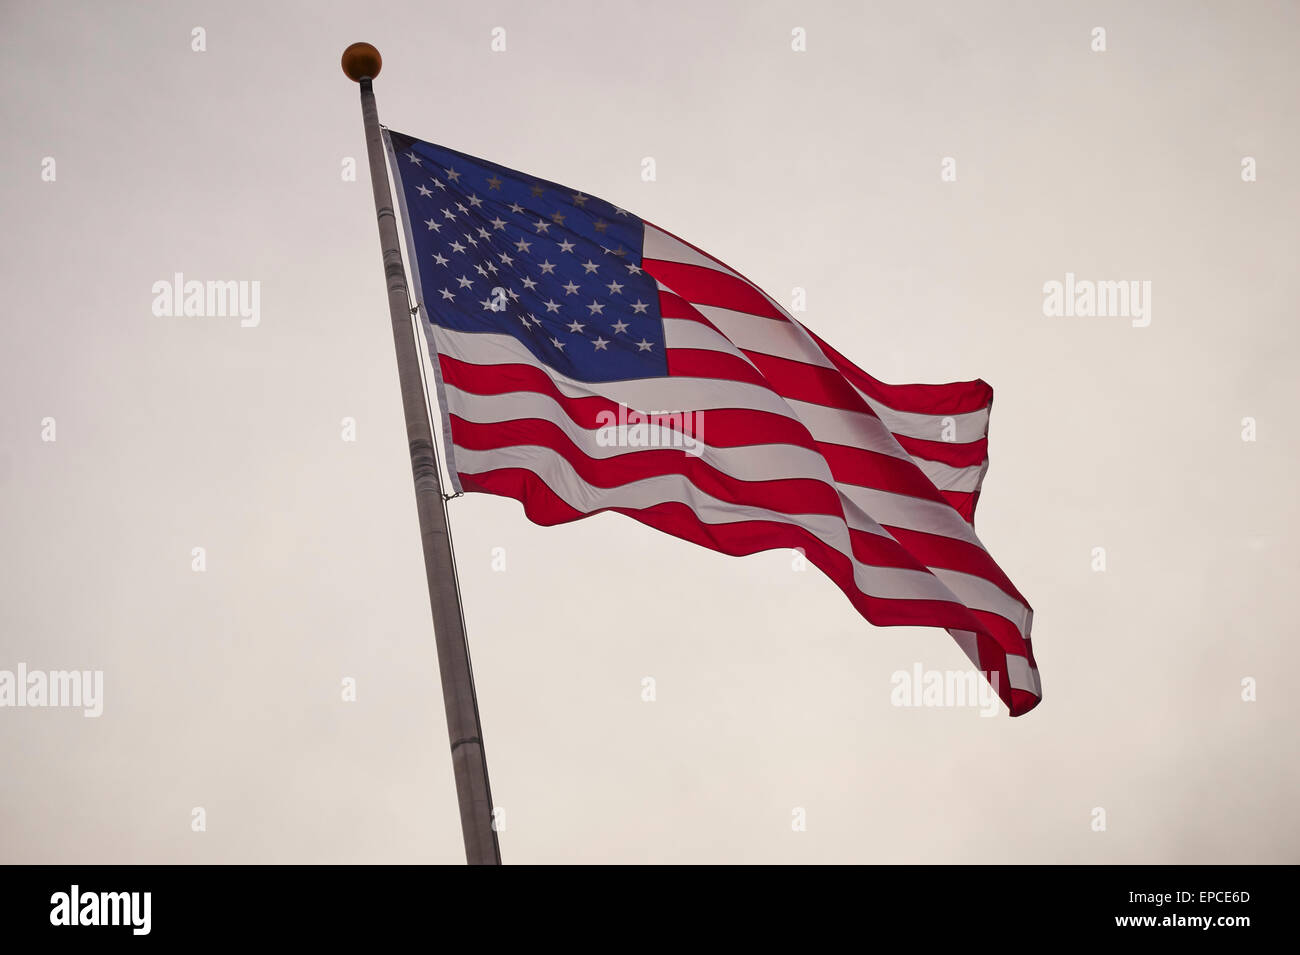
{"points": [[558, 320]]}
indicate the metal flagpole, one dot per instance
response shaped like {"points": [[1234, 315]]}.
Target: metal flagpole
{"points": [[361, 62]]}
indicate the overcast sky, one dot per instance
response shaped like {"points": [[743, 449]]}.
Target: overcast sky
{"points": [[818, 169]]}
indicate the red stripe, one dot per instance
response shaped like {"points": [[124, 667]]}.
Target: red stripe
{"points": [[706, 363], [874, 550], [934, 550], [812, 383], [705, 286], [963, 502], [672, 305], [872, 469], [725, 427], [959, 397], [787, 495], [880, 471], [965, 455]]}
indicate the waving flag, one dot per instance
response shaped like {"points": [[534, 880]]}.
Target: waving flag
{"points": [[589, 361]]}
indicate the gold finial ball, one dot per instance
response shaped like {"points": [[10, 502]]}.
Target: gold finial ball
{"points": [[361, 61]]}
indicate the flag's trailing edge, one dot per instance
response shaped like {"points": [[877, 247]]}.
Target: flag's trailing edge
{"points": [[557, 320]]}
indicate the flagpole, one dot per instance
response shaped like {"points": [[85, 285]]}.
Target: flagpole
{"points": [[361, 62]]}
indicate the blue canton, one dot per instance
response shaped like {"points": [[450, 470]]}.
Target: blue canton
{"points": [[501, 252]]}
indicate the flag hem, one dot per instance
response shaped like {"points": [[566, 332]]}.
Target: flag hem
{"points": [[413, 270]]}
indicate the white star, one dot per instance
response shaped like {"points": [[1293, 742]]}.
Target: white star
{"points": [[529, 283], [484, 233], [619, 327], [600, 344], [590, 266], [475, 201], [639, 307], [461, 207], [614, 288], [557, 343], [424, 191], [542, 225], [470, 239], [566, 246], [498, 223], [644, 345], [595, 307], [546, 267], [452, 174], [514, 296], [480, 270], [464, 282], [438, 182], [457, 247], [487, 304], [635, 270], [621, 212], [516, 208], [576, 326], [523, 245], [551, 306], [571, 288], [414, 158], [505, 258], [449, 214], [526, 319], [438, 257], [433, 224], [492, 267], [449, 296], [533, 318]]}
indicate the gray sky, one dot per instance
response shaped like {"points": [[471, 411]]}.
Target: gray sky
{"points": [[817, 169]]}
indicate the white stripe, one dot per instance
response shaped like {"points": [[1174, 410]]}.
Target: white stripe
{"points": [[765, 335], [948, 478], [910, 513], [1022, 675], [660, 245], [968, 640], [981, 594], [684, 333], [854, 429], [965, 427]]}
